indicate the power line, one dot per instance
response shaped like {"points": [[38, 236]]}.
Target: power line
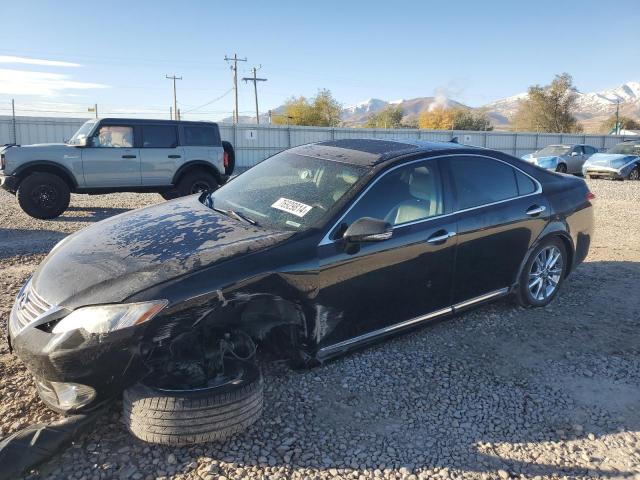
{"points": [[210, 102], [255, 81], [176, 112], [234, 67]]}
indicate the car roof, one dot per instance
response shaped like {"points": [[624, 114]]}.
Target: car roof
{"points": [[370, 152], [152, 121]]}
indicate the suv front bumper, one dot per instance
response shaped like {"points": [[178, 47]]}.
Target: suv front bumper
{"points": [[9, 183]]}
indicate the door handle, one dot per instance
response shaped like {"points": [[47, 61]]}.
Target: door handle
{"points": [[441, 237], [535, 210], [175, 156], [128, 156]]}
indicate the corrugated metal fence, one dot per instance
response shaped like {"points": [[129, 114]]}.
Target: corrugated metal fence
{"points": [[254, 143]]}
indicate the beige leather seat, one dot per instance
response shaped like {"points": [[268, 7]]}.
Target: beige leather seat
{"points": [[424, 202]]}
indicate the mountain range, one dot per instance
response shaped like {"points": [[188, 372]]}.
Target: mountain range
{"points": [[591, 107]]}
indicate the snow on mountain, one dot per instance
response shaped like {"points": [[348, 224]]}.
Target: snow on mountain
{"points": [[370, 105]]}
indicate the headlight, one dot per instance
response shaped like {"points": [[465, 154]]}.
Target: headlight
{"points": [[548, 162], [107, 318]]}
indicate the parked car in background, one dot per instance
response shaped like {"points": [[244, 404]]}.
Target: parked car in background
{"points": [[619, 162], [561, 158], [316, 251], [173, 158]]}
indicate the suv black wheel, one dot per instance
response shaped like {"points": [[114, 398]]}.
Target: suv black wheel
{"points": [[543, 274], [43, 195], [196, 181], [184, 417]]}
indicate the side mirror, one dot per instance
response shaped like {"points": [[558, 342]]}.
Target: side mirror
{"points": [[367, 229], [81, 142]]}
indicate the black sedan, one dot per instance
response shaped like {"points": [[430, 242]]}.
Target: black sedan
{"points": [[318, 250]]}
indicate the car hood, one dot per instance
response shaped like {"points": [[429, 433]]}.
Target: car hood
{"points": [[605, 159], [116, 258], [533, 159]]}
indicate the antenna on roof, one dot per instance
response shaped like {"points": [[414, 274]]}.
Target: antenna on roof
{"points": [[454, 140]]}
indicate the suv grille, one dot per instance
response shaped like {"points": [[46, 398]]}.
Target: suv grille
{"points": [[29, 306]]}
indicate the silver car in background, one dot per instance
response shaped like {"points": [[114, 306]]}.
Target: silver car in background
{"points": [[562, 158]]}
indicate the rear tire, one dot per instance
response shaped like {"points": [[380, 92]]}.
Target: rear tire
{"points": [[561, 168], [196, 181], [43, 195], [542, 277], [185, 417], [634, 174], [231, 158]]}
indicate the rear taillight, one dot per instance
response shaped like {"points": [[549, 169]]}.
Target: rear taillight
{"points": [[590, 196], [2, 161], [226, 160]]}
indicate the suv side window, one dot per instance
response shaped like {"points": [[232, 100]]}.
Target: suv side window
{"points": [[406, 194], [200, 136], [480, 180], [113, 136], [159, 136], [589, 150]]}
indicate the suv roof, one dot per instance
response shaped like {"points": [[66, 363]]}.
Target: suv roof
{"points": [[152, 121]]}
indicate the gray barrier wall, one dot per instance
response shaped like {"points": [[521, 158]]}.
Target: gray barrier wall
{"points": [[254, 143]]}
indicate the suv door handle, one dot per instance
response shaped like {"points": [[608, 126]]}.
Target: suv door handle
{"points": [[175, 156], [128, 156], [535, 210], [440, 237]]}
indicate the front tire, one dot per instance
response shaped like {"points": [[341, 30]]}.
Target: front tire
{"points": [[196, 181], [634, 174], [43, 195], [561, 168], [543, 274], [185, 417]]}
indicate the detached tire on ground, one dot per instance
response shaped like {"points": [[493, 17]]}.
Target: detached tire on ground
{"points": [[43, 195], [196, 181], [185, 417]]}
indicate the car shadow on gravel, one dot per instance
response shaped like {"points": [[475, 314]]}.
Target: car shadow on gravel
{"points": [[499, 391], [15, 242], [90, 214]]}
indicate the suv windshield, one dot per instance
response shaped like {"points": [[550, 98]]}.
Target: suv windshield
{"points": [[82, 132], [626, 149], [552, 150], [286, 191]]}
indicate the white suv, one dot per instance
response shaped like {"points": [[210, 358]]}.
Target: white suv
{"points": [[173, 158]]}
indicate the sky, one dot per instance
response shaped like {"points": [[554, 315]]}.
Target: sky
{"points": [[58, 58]]}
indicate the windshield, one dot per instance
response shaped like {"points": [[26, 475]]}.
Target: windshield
{"points": [[82, 132], [626, 149], [286, 191], [552, 150]]}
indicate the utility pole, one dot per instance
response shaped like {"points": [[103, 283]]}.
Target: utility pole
{"points": [[618, 117], [13, 121], [255, 81], [175, 100], [234, 67]]}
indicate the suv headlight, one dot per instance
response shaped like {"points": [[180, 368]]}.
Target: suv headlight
{"points": [[107, 318]]}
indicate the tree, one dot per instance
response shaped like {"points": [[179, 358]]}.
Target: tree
{"points": [[322, 111], [466, 119], [437, 118], [390, 117], [549, 108], [627, 123]]}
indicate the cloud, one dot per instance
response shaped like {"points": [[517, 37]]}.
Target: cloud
{"points": [[36, 61], [20, 82]]}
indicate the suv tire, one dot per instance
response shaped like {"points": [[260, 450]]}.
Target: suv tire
{"points": [[551, 276], [231, 158], [185, 417], [43, 195], [196, 181]]}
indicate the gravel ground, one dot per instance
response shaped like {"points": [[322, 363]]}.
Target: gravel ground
{"points": [[500, 392]]}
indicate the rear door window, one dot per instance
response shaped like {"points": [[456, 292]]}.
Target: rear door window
{"points": [[159, 136], [480, 181], [200, 136]]}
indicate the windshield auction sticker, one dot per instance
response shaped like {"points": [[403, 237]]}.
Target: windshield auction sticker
{"points": [[291, 206]]}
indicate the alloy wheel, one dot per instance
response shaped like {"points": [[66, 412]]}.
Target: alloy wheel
{"points": [[635, 174], [44, 195], [545, 273]]}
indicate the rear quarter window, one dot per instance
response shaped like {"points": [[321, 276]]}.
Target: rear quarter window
{"points": [[200, 136], [525, 184]]}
